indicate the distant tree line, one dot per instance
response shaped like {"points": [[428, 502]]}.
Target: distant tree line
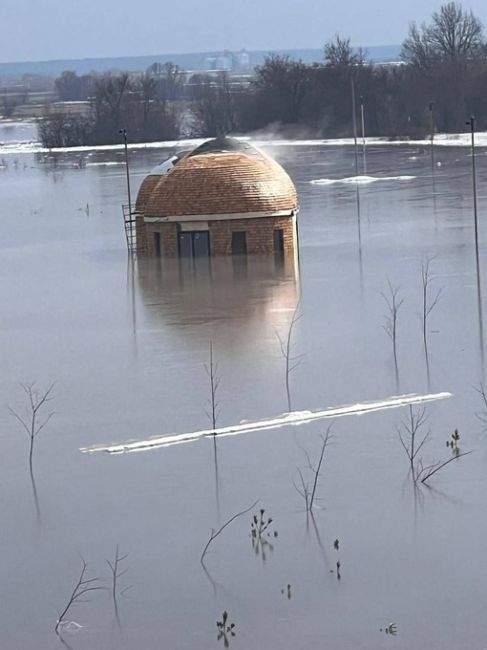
{"points": [[444, 65]]}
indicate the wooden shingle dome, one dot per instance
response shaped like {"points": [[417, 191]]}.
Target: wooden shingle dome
{"points": [[154, 176], [222, 176]]}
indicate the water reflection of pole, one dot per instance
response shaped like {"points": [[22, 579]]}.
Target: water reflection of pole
{"points": [[131, 297], [362, 118], [217, 478], [471, 123], [124, 134]]}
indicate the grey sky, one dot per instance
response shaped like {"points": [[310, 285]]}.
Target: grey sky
{"points": [[59, 29]]}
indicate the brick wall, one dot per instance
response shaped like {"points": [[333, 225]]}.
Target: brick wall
{"points": [[260, 235], [169, 239]]}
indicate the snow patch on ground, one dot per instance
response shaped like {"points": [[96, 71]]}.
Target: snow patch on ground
{"points": [[287, 419], [360, 180]]}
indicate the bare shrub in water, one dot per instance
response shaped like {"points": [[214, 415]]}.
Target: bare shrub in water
{"points": [[35, 419], [413, 435], [307, 491], [394, 303], [82, 588]]}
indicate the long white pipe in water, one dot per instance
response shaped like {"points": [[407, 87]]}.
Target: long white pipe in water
{"points": [[287, 419]]}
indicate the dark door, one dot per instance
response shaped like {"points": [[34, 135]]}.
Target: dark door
{"points": [[239, 243], [278, 241], [201, 244], [185, 244], [157, 244], [194, 244]]}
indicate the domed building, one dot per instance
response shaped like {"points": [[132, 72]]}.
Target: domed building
{"points": [[225, 197]]}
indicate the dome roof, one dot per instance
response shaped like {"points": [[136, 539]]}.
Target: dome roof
{"points": [[222, 176], [151, 180]]}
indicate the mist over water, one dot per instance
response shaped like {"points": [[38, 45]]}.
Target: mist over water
{"points": [[126, 345]]}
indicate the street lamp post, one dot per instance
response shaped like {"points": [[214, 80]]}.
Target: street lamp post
{"points": [[123, 132], [362, 117], [471, 123], [432, 136]]}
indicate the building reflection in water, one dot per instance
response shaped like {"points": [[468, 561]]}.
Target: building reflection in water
{"points": [[184, 292]]}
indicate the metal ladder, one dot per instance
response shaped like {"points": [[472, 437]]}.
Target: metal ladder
{"points": [[129, 221]]}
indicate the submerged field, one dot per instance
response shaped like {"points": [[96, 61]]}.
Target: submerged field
{"points": [[126, 345]]}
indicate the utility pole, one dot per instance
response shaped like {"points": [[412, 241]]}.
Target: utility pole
{"points": [[471, 123], [432, 136], [362, 116], [123, 132], [354, 121]]}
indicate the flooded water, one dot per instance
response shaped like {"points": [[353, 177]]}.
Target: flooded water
{"points": [[126, 344]]}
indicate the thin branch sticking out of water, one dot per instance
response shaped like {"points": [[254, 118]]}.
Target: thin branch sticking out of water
{"points": [[292, 362], [428, 303], [116, 575], [425, 473], [305, 491], [394, 303], [482, 415], [214, 534], [82, 587], [215, 378]]}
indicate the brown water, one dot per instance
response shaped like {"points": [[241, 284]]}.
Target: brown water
{"points": [[126, 345]]}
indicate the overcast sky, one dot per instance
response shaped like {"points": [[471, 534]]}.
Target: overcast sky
{"points": [[61, 29]]}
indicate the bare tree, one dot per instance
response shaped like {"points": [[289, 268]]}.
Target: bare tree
{"points": [[411, 436], [214, 106], [306, 491], [36, 418], [454, 36], [339, 53], [428, 303], [117, 573], [82, 587], [292, 361], [215, 378], [394, 303], [482, 415]]}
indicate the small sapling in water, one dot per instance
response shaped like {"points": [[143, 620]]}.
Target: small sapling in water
{"points": [[215, 378], [225, 629], [390, 629], [259, 531], [394, 303], [453, 442], [292, 361]]}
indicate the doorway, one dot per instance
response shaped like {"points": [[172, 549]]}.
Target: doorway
{"points": [[239, 243], [157, 244], [279, 241], [194, 244]]}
